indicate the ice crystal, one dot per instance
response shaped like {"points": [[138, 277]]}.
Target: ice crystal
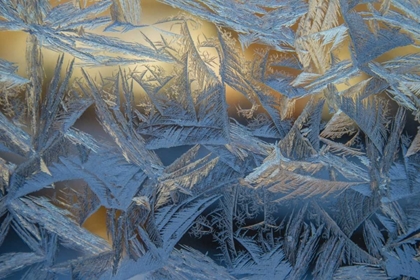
{"points": [[190, 188]]}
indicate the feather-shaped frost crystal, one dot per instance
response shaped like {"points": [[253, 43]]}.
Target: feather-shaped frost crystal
{"points": [[180, 139]]}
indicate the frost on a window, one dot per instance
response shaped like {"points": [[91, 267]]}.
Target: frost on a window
{"points": [[314, 171]]}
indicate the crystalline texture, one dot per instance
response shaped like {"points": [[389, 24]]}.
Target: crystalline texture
{"points": [[282, 188]]}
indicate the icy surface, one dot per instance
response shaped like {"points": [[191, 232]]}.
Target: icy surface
{"points": [[330, 191]]}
